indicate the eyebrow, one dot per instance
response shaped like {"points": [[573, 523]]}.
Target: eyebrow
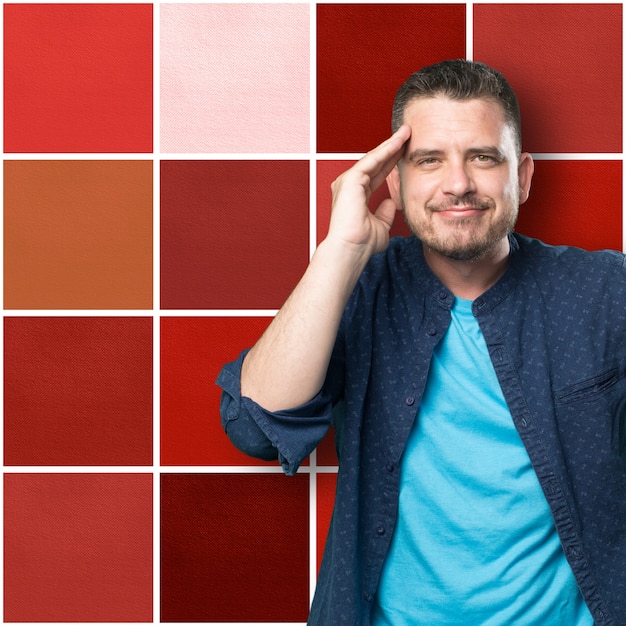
{"points": [[421, 153]]}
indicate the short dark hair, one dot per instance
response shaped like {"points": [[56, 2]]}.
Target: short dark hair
{"points": [[459, 80]]}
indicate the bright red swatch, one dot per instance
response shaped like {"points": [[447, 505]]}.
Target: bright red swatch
{"points": [[193, 351], [364, 53], [78, 78], [234, 547], [577, 203], [326, 486], [78, 548], [234, 234], [565, 63], [77, 391]]}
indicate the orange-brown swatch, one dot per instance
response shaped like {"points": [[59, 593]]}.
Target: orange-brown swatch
{"points": [[78, 234]]}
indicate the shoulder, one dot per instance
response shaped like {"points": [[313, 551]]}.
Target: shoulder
{"points": [[401, 259], [569, 262]]}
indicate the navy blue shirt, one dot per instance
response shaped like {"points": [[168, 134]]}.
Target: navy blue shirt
{"points": [[555, 328]]}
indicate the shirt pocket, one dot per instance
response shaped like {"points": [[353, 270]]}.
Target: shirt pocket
{"points": [[594, 409], [588, 388]]}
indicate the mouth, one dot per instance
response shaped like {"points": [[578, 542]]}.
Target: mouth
{"points": [[460, 212]]}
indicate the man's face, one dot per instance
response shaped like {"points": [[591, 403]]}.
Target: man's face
{"points": [[461, 180]]}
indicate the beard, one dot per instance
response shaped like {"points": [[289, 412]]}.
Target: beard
{"points": [[464, 238]]}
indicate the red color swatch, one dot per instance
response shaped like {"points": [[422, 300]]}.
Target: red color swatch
{"points": [[78, 78], [326, 486], [234, 547], [77, 391], [234, 234], [193, 351], [565, 63], [78, 548], [326, 450], [576, 203], [364, 53]]}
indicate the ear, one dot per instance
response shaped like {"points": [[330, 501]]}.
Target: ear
{"points": [[395, 187], [525, 172]]}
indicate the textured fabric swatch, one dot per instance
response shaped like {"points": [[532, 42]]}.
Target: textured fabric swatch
{"points": [[77, 391], [78, 77], [78, 547], [565, 63], [326, 485], [235, 77], [193, 351], [234, 234], [364, 53], [577, 203], [234, 548], [78, 234]]}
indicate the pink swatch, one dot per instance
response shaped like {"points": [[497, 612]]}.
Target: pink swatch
{"points": [[234, 78]]}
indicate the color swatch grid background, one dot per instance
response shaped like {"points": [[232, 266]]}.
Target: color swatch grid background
{"points": [[166, 172]]}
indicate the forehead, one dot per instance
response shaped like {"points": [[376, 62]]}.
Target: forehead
{"points": [[442, 120]]}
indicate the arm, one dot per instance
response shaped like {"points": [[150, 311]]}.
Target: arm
{"points": [[287, 366]]}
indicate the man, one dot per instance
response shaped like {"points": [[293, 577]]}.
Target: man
{"points": [[476, 379]]}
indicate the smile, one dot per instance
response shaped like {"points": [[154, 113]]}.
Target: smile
{"points": [[460, 212]]}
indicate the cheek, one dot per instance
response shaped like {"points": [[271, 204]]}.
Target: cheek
{"points": [[504, 188], [418, 190]]}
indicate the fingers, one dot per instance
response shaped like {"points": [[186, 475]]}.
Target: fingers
{"points": [[377, 163]]}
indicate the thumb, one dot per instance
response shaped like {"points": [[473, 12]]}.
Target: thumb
{"points": [[386, 212]]}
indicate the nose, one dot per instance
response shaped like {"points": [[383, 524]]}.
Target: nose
{"points": [[457, 180]]}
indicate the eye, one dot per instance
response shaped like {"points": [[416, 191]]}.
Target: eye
{"points": [[428, 162], [486, 160]]}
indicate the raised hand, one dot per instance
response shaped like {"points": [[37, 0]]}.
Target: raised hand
{"points": [[352, 222], [288, 364]]}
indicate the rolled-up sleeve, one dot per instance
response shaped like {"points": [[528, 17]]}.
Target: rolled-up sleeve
{"points": [[289, 436]]}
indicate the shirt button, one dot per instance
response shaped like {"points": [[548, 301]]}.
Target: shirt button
{"points": [[443, 295], [390, 466], [431, 331], [574, 553], [380, 530], [410, 400]]}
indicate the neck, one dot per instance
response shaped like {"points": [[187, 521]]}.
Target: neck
{"points": [[469, 279]]}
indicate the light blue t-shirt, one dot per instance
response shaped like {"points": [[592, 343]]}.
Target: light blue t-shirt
{"points": [[475, 543]]}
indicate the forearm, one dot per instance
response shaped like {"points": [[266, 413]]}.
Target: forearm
{"points": [[287, 366]]}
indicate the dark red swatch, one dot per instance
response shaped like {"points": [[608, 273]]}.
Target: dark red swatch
{"points": [[234, 547], [234, 234], [78, 548], [193, 351], [78, 77], [78, 391], [364, 53], [565, 63], [576, 203]]}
